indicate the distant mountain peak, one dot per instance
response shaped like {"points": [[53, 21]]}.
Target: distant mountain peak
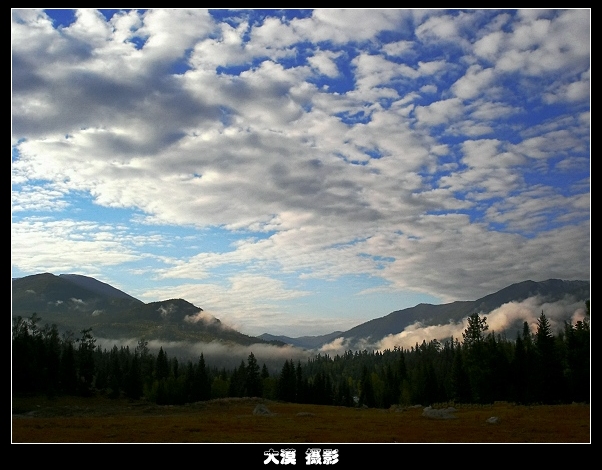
{"points": [[74, 302], [550, 290], [96, 286]]}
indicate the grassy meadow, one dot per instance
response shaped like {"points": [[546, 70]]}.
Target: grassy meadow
{"points": [[101, 420]]}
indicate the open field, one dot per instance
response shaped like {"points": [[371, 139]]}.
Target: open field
{"points": [[232, 420]]}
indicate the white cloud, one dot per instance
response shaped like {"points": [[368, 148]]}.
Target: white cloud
{"points": [[432, 67], [574, 91], [245, 302], [500, 319], [471, 84], [374, 70], [324, 62], [326, 183], [347, 25], [398, 48], [61, 246], [439, 112], [439, 27], [540, 45], [489, 45]]}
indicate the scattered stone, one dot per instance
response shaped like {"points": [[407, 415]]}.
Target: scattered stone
{"points": [[261, 410], [493, 420], [441, 413]]}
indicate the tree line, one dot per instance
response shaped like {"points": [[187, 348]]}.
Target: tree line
{"points": [[484, 367]]}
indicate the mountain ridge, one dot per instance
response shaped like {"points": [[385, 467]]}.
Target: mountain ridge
{"points": [[96, 285], [429, 314], [74, 302]]}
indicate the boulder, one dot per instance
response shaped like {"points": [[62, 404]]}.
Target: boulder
{"points": [[439, 413], [261, 410]]}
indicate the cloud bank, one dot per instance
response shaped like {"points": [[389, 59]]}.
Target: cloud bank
{"points": [[281, 168]]}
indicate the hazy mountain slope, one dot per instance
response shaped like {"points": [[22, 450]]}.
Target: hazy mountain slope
{"points": [[394, 323], [47, 294], [75, 302]]}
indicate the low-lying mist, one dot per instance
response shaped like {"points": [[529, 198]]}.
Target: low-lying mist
{"points": [[218, 354], [507, 319]]}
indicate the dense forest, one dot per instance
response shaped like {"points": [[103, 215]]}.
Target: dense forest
{"points": [[483, 367]]}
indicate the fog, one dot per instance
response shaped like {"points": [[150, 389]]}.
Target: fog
{"points": [[507, 320]]}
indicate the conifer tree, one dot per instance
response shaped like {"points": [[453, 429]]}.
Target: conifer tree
{"points": [[577, 339], [286, 382], [476, 360], [133, 380], [299, 384], [85, 356], [253, 378], [202, 381], [115, 373], [367, 391], [162, 365], [237, 381], [68, 369], [549, 368], [460, 381]]}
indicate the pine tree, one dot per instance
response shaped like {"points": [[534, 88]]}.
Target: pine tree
{"points": [[253, 378], [520, 371], [115, 373], [133, 380], [474, 334], [367, 397], [68, 369], [287, 383], [202, 381], [299, 384], [162, 365], [476, 360], [238, 379], [543, 337], [550, 384], [577, 339], [460, 381], [25, 368], [85, 356]]}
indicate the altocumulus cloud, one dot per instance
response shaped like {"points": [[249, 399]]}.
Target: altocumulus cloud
{"points": [[301, 172]]}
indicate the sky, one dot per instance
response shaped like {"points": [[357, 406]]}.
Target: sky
{"points": [[298, 172]]}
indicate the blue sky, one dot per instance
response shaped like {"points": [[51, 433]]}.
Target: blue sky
{"points": [[301, 172]]}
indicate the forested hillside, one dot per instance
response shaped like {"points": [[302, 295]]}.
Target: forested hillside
{"points": [[480, 367]]}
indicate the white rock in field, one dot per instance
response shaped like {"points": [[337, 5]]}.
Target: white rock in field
{"points": [[442, 413], [261, 410]]}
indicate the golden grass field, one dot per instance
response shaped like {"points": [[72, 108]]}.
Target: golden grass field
{"points": [[100, 420]]}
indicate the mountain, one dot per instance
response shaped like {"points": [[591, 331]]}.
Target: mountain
{"points": [[68, 296], [74, 302], [551, 290], [96, 286]]}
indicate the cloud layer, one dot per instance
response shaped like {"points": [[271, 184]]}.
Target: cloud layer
{"points": [[248, 160]]}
